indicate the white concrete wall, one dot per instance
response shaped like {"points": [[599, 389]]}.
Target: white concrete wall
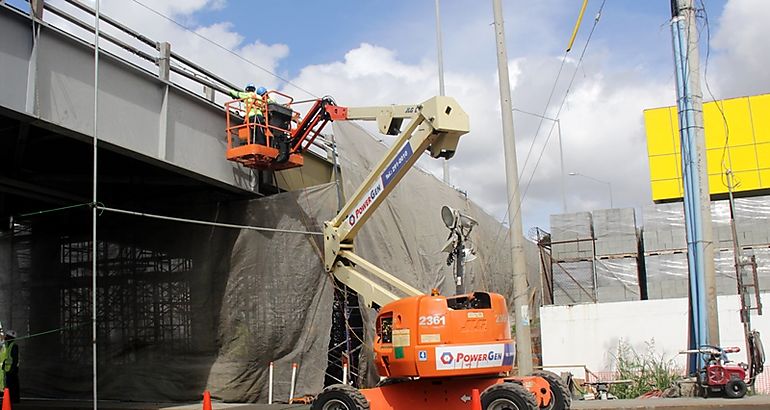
{"points": [[588, 334]]}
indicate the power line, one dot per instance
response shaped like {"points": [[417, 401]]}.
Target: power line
{"points": [[558, 112], [208, 223], [285, 80], [725, 147]]}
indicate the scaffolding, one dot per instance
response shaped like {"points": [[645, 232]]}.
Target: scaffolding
{"points": [[144, 294]]}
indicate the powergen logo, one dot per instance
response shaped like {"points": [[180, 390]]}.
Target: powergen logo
{"points": [[447, 358], [469, 357]]}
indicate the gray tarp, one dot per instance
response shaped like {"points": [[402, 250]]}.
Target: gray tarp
{"points": [[215, 306]]}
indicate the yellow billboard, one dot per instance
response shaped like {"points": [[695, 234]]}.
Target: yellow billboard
{"points": [[737, 137]]}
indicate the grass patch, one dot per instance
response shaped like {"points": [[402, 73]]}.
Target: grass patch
{"points": [[647, 370]]}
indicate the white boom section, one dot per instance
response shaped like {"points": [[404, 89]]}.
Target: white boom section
{"points": [[435, 125]]}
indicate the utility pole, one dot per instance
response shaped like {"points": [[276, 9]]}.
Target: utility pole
{"points": [[520, 285], [704, 323]]}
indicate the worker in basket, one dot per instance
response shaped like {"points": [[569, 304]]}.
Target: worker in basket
{"points": [[253, 98]]}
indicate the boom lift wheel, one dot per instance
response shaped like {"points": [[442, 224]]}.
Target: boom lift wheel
{"points": [[340, 397], [507, 396], [561, 399]]}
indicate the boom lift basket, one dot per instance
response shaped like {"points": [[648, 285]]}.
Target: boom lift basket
{"points": [[279, 141]]}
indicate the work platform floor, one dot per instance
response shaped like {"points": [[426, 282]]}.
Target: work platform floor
{"points": [[747, 403]]}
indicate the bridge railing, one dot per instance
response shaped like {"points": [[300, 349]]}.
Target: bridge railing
{"points": [[147, 54]]}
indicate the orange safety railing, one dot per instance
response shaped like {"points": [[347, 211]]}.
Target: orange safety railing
{"points": [[266, 99], [238, 123]]}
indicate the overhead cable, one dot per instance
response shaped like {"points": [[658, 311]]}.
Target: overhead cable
{"points": [[285, 80], [208, 223], [558, 112]]}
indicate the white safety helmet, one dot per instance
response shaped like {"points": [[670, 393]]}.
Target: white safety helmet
{"points": [[10, 333]]}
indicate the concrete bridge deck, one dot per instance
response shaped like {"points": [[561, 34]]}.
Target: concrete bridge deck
{"points": [[151, 117]]}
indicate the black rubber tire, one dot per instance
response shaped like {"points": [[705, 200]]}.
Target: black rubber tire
{"points": [[347, 397], [391, 381], [561, 399], [519, 397], [735, 389]]}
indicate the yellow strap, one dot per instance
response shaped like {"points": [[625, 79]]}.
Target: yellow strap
{"points": [[577, 25]]}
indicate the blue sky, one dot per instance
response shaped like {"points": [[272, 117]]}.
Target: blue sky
{"points": [[377, 52], [321, 32]]}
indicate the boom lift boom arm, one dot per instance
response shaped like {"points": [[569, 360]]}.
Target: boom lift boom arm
{"points": [[435, 125]]}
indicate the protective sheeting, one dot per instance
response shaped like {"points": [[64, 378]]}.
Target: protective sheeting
{"points": [[615, 232], [664, 224], [594, 256], [181, 308], [667, 274], [184, 308], [720, 223], [664, 227], [617, 280], [752, 220], [665, 245], [572, 235], [573, 282], [277, 300]]}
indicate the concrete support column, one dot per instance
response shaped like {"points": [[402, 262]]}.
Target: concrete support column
{"points": [[36, 6], [164, 60], [31, 106], [164, 71]]}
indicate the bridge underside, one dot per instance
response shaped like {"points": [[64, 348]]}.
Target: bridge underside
{"points": [[42, 169]]}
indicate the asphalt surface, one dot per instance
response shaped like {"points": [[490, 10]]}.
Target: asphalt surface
{"points": [[747, 403]]}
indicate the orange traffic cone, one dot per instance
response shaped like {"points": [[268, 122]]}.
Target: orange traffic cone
{"points": [[6, 399], [206, 400], [475, 400]]}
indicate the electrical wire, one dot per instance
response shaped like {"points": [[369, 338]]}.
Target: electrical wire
{"points": [[46, 211], [207, 223], [234, 53], [726, 146], [532, 144], [550, 133]]}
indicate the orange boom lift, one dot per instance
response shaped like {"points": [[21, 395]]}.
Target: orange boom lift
{"points": [[431, 350]]}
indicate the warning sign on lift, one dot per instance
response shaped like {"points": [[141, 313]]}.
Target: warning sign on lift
{"points": [[397, 163], [386, 178]]}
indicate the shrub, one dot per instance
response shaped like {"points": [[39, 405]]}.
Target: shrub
{"points": [[647, 371]]}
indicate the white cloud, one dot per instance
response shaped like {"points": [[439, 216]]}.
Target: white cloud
{"points": [[206, 45], [602, 125], [740, 57]]}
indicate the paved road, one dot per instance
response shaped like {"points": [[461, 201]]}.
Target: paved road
{"points": [[748, 403]]}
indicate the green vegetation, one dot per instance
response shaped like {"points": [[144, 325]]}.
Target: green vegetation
{"points": [[647, 370]]}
